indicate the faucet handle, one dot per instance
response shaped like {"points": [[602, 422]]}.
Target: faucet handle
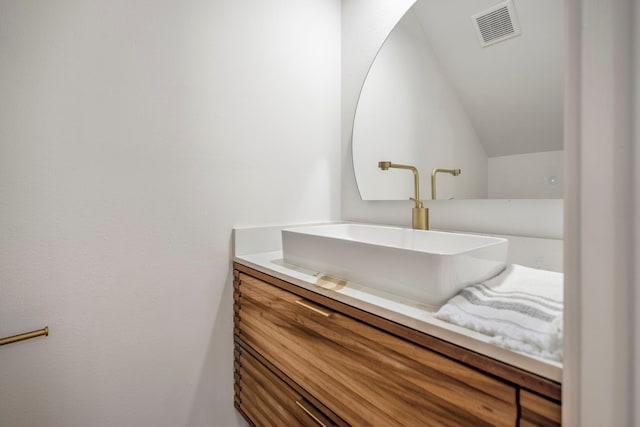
{"points": [[418, 202]]}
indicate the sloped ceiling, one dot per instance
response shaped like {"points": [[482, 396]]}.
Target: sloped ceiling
{"points": [[512, 90]]}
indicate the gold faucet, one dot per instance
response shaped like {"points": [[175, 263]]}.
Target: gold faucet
{"points": [[454, 172], [420, 214]]}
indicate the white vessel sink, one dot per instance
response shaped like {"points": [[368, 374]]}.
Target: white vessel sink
{"points": [[428, 267]]}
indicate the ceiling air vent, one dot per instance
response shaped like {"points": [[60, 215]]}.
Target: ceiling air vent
{"points": [[497, 23]]}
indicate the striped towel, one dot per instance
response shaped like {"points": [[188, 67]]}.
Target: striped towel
{"points": [[521, 309]]}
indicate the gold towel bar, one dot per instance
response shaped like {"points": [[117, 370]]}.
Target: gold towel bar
{"points": [[25, 336]]}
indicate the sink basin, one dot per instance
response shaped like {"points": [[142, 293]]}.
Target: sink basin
{"points": [[428, 267]]}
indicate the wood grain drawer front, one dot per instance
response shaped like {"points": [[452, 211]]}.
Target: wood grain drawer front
{"points": [[538, 411], [268, 401], [364, 375]]}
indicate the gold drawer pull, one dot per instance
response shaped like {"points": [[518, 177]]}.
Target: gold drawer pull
{"points": [[312, 307], [25, 336], [312, 412]]}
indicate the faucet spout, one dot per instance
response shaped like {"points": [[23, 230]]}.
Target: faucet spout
{"points": [[416, 179], [454, 172], [420, 214]]}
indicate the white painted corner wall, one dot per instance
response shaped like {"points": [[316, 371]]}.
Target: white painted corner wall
{"points": [[134, 135], [635, 296], [601, 382]]}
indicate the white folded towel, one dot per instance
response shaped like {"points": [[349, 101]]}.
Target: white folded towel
{"points": [[521, 309]]}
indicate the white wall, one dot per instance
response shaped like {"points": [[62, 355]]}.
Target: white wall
{"points": [[533, 175], [133, 136], [601, 252], [409, 113], [635, 300]]}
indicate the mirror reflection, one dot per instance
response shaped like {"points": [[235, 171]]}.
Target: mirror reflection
{"points": [[462, 85]]}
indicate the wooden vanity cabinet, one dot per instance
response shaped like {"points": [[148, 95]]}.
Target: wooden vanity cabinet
{"points": [[266, 400], [538, 411], [303, 358]]}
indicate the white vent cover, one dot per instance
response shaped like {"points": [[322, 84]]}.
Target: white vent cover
{"points": [[497, 23]]}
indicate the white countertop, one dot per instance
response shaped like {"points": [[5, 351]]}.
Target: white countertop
{"points": [[261, 249]]}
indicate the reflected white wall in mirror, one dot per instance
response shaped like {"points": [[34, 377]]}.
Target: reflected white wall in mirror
{"points": [[435, 98]]}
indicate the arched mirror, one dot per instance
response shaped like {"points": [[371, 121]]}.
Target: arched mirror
{"points": [[473, 85]]}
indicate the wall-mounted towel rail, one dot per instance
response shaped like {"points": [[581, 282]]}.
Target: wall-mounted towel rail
{"points": [[25, 336]]}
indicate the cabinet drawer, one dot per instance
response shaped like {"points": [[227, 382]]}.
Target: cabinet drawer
{"points": [[538, 411], [365, 375], [267, 401]]}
